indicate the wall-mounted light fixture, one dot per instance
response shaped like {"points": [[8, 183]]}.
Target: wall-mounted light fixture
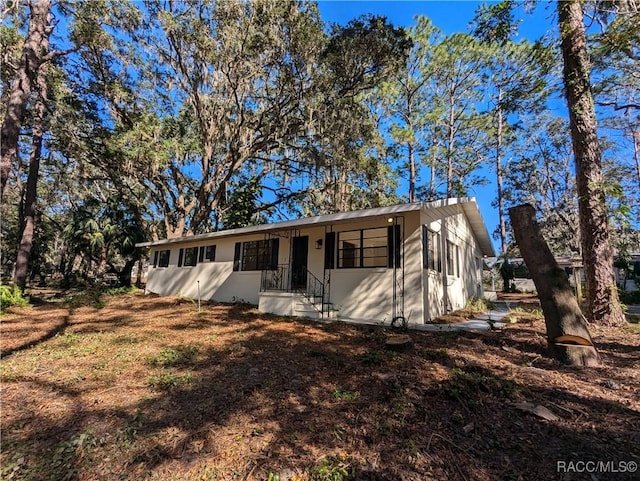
{"points": [[319, 244]]}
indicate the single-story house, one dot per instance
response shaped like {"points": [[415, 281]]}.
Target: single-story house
{"points": [[403, 263]]}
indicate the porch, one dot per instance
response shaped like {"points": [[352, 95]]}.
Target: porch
{"points": [[292, 290]]}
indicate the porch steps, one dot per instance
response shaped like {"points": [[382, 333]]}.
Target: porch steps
{"points": [[304, 307]]}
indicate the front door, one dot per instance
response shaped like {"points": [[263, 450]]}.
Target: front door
{"points": [[299, 257]]}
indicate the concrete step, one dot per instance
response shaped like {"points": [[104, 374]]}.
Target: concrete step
{"points": [[315, 312], [306, 307], [332, 314], [310, 314], [316, 307]]}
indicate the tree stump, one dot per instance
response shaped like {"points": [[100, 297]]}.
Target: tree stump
{"points": [[567, 334], [399, 343]]}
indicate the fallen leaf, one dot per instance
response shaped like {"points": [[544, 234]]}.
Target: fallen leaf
{"points": [[538, 410]]}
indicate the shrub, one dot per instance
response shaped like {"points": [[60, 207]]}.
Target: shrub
{"points": [[168, 380], [371, 358], [116, 291], [345, 395], [629, 297], [330, 470], [91, 297], [436, 355], [479, 304], [11, 295], [174, 356]]}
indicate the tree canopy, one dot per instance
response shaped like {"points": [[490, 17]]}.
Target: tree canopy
{"points": [[163, 119]]}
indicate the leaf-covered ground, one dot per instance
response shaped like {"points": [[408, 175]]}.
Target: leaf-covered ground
{"points": [[136, 387]]}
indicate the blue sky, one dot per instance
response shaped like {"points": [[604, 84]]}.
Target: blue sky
{"points": [[450, 17]]}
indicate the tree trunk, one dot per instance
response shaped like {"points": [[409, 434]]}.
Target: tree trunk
{"points": [[124, 276], [499, 179], [432, 175], [450, 145], [28, 218], [602, 295], [139, 274], [567, 335], [636, 153], [35, 45], [412, 173], [68, 270]]}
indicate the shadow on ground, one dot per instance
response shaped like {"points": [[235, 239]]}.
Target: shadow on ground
{"points": [[246, 397]]}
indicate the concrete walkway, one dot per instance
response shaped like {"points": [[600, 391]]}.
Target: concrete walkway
{"points": [[492, 319]]}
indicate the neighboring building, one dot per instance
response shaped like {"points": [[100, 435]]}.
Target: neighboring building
{"points": [[523, 282], [627, 279], [409, 262]]}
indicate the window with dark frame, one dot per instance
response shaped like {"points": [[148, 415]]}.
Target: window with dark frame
{"points": [[163, 258], [207, 253], [363, 248], [347, 255], [432, 259], [190, 256], [453, 259], [256, 255]]}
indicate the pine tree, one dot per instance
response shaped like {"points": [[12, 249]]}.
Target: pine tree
{"points": [[602, 295]]}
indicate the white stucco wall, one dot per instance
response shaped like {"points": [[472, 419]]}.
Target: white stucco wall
{"points": [[454, 227], [281, 303], [366, 294], [218, 281], [360, 294]]}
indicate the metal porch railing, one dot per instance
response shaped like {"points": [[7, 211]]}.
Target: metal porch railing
{"points": [[302, 281]]}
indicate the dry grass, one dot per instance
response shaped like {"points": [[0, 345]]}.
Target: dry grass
{"points": [[456, 316], [474, 307], [148, 388]]}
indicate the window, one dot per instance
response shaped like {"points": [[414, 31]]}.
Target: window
{"points": [[256, 255], [207, 253], [349, 249], [161, 258], [368, 247], [188, 257], [431, 247], [453, 262]]}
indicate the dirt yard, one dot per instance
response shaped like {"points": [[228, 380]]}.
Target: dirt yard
{"points": [[132, 387]]}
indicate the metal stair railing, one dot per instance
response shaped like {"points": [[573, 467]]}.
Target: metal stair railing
{"points": [[280, 279], [314, 290]]}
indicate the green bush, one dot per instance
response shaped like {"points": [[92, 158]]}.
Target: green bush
{"points": [[330, 470], [479, 304], [371, 358], [11, 295], [168, 380], [89, 297], [345, 395], [630, 297], [174, 356], [116, 291]]}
